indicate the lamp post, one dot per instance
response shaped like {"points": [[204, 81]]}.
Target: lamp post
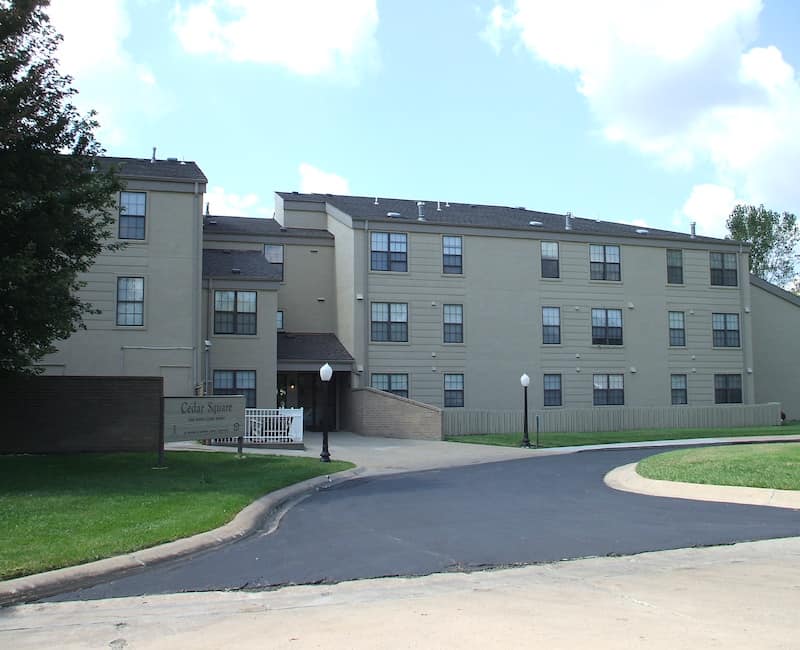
{"points": [[525, 381], [325, 374]]}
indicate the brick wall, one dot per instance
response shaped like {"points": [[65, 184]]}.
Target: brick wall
{"points": [[373, 412], [75, 414]]}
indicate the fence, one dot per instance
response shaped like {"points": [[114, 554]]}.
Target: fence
{"points": [[464, 421], [269, 426]]}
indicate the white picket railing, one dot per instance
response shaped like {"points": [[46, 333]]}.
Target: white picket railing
{"points": [[265, 426]]}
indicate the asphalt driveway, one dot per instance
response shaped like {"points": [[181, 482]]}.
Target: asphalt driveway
{"points": [[529, 511]]}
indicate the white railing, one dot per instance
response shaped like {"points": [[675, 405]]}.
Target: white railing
{"points": [[269, 426]]}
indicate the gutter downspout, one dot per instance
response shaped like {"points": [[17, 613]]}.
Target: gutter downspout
{"points": [[366, 329], [749, 396], [197, 241], [207, 383]]}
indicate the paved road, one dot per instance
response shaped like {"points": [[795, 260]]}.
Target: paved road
{"points": [[517, 512]]}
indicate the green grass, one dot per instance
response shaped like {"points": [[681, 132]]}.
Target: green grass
{"points": [[606, 437], [58, 511], [775, 466]]}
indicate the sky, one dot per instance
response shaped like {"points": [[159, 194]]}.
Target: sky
{"points": [[637, 111]]}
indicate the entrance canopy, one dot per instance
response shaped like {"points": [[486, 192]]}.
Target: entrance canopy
{"points": [[307, 352]]}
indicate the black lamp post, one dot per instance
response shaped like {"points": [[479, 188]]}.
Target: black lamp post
{"points": [[525, 381], [325, 374]]}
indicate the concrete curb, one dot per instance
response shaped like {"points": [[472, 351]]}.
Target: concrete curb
{"points": [[626, 479], [41, 585]]}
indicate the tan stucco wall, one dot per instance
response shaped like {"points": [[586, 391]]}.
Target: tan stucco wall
{"points": [[167, 260], [776, 350]]}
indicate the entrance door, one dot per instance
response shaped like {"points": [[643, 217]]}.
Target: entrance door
{"points": [[307, 391]]}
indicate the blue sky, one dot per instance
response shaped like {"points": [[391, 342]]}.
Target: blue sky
{"points": [[620, 110]]}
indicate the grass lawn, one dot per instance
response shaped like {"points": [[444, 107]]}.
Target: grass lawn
{"points": [[774, 466], [58, 511], [639, 435]]}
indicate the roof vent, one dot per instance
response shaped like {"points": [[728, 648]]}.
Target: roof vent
{"points": [[213, 222], [172, 159], [568, 221], [153, 159], [694, 229], [438, 206], [393, 215], [420, 218], [447, 204], [376, 201], [421, 208], [236, 271], [535, 223], [642, 231]]}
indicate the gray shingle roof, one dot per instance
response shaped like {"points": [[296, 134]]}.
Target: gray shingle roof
{"points": [[250, 264], [160, 169], [311, 347], [774, 290], [483, 216], [256, 226]]}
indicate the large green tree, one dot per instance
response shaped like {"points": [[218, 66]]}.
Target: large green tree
{"points": [[55, 202], [773, 240]]}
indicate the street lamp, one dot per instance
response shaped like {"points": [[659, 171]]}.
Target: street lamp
{"points": [[525, 381], [325, 374]]}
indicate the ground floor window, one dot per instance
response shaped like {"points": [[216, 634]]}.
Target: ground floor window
{"points": [[236, 382], [397, 384], [453, 390], [609, 390], [727, 389], [678, 388], [552, 390]]}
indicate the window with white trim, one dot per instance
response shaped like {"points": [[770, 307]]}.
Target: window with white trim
{"points": [[674, 266], [235, 312], [452, 255], [274, 255], [453, 390], [604, 263], [389, 321], [550, 259], [453, 323], [388, 251], [608, 390], [677, 329], [552, 390], [397, 384], [132, 207], [551, 325], [606, 327], [727, 389], [678, 392], [723, 269], [725, 330], [130, 302]]}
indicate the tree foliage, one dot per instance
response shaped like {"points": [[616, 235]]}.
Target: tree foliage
{"points": [[773, 240], [54, 201]]}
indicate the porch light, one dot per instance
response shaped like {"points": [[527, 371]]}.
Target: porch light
{"points": [[325, 374]]}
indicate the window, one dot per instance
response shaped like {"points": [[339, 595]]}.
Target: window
{"points": [[604, 263], [606, 326], [726, 330], [236, 382], [550, 259], [723, 269], [727, 389], [677, 329], [389, 321], [552, 390], [551, 325], [453, 390], [274, 255], [395, 384], [609, 390], [132, 215], [388, 251], [452, 260], [130, 301], [453, 324], [678, 389], [674, 266], [279, 319], [234, 312]]}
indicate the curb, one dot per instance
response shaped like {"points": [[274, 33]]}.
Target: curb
{"points": [[626, 479], [250, 518]]}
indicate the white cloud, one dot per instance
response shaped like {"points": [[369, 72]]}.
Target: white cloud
{"points": [[107, 77], [709, 206], [307, 37], [316, 180], [676, 81], [221, 203]]}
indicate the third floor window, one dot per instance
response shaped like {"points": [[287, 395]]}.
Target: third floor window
{"points": [[723, 269], [674, 266], [388, 251], [452, 256], [234, 312], [274, 255], [604, 263], [550, 259], [132, 206]]}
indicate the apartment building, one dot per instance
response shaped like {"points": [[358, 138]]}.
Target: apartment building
{"points": [[443, 303], [148, 292]]}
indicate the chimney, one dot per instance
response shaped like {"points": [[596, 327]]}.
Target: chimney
{"points": [[153, 159], [694, 229], [567, 222], [421, 208]]}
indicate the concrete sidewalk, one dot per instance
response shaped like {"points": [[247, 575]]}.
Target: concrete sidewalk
{"points": [[741, 596], [372, 456]]}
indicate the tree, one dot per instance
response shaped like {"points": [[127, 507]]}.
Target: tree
{"points": [[773, 240], [55, 202]]}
